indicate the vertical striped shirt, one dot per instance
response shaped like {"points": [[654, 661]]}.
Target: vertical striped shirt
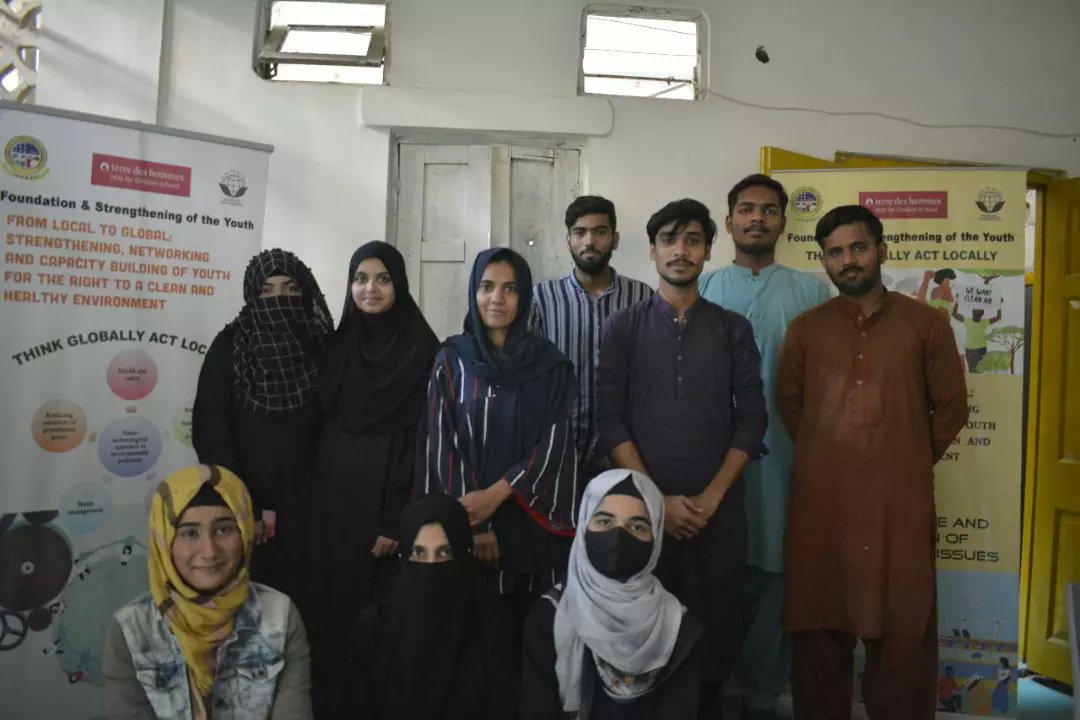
{"points": [[465, 414], [571, 318], [472, 441]]}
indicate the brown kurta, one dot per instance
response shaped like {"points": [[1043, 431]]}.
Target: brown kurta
{"points": [[872, 404]]}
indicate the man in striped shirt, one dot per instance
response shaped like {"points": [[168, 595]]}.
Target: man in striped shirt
{"points": [[570, 310]]}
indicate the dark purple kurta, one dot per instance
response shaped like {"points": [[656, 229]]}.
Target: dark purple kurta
{"points": [[685, 393]]}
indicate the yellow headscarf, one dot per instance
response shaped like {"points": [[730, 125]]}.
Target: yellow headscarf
{"points": [[199, 622]]}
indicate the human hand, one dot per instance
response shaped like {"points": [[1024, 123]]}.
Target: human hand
{"points": [[682, 519], [269, 518], [384, 547], [482, 504], [707, 503], [486, 548]]}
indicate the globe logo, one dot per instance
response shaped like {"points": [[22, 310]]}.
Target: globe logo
{"points": [[25, 157], [990, 200], [233, 184], [805, 202]]}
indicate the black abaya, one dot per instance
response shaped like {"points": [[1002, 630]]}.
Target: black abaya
{"points": [[372, 392], [674, 697], [440, 646], [271, 453], [362, 484]]}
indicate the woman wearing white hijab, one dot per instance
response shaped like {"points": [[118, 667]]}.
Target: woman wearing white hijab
{"points": [[613, 644]]}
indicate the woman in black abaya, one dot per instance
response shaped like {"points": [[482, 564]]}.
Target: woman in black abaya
{"points": [[372, 392], [440, 645], [256, 406]]}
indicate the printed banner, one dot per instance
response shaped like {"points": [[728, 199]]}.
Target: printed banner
{"points": [[124, 253], [956, 241]]}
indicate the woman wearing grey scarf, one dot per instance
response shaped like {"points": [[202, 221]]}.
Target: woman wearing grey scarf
{"points": [[613, 643]]}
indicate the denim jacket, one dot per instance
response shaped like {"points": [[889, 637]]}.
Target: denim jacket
{"points": [[249, 662]]}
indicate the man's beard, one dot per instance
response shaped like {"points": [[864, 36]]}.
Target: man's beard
{"points": [[858, 285], [595, 266], [749, 247], [755, 250]]}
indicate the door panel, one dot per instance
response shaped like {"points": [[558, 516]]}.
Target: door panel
{"points": [[1055, 495], [457, 200], [443, 221], [539, 185]]}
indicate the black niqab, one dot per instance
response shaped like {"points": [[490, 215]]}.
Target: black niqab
{"points": [[441, 639], [278, 341]]}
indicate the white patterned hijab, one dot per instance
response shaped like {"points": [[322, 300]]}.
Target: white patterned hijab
{"points": [[630, 625]]}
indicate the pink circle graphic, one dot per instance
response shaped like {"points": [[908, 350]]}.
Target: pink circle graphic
{"points": [[132, 374]]}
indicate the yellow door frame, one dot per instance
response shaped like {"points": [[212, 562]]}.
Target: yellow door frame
{"points": [[1057, 206]]}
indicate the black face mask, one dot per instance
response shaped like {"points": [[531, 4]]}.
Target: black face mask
{"points": [[616, 553]]}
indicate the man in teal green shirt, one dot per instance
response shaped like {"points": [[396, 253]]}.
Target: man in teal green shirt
{"points": [[770, 296]]}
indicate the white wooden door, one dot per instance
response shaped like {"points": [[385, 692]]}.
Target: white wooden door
{"points": [[457, 200], [529, 205], [443, 221]]}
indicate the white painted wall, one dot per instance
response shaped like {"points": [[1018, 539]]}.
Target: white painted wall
{"points": [[959, 62], [101, 57], [328, 175], [996, 62]]}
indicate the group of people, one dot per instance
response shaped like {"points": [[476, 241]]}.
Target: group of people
{"points": [[597, 501]]}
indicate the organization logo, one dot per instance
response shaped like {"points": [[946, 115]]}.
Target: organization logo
{"points": [[805, 203], [141, 175], [990, 202], [233, 185], [906, 204], [25, 157]]}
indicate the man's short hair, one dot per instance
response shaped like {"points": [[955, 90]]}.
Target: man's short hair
{"points": [[590, 205], [682, 212], [757, 180], [848, 215]]}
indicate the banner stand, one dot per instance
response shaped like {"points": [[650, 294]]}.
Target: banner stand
{"points": [[125, 246]]}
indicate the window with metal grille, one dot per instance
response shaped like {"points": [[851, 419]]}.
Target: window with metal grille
{"points": [[642, 52], [317, 41], [20, 23]]}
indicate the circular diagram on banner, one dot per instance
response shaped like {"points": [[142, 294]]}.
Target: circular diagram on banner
{"points": [[132, 374], [129, 446], [181, 424], [35, 562], [85, 508], [58, 426]]}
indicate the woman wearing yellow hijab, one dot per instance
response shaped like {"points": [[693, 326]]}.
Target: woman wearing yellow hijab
{"points": [[205, 642]]}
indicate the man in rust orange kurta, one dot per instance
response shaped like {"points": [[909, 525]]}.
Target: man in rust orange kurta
{"points": [[871, 387]]}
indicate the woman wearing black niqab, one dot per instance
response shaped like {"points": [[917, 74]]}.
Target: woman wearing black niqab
{"points": [[256, 411], [439, 646], [372, 393]]}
